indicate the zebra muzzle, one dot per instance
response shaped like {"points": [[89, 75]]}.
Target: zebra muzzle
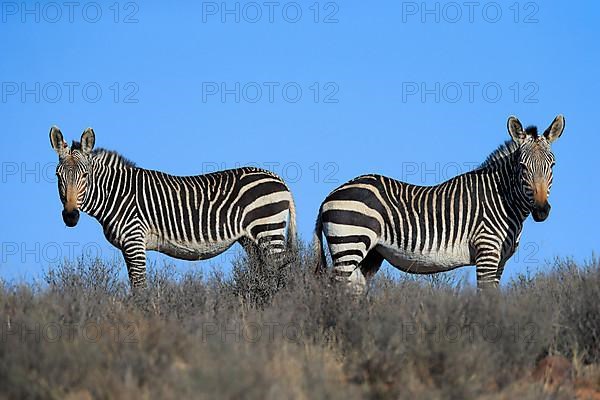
{"points": [[70, 217], [540, 213]]}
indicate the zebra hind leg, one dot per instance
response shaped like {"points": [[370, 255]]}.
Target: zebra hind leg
{"points": [[357, 276], [263, 252], [254, 253], [350, 262], [349, 272], [261, 277], [371, 264], [271, 247]]}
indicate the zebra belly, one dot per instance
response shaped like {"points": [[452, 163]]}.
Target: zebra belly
{"points": [[187, 250], [426, 262]]}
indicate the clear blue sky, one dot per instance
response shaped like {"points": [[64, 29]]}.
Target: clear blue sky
{"points": [[417, 94]]}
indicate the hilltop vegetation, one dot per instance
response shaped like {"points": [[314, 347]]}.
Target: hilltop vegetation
{"points": [[270, 333]]}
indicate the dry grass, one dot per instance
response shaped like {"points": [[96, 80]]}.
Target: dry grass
{"points": [[271, 333]]}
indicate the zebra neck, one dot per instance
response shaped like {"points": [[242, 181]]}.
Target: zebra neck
{"points": [[510, 191], [107, 182], [503, 165], [521, 202], [94, 201]]}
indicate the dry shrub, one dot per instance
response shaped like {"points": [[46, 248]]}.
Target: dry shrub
{"points": [[270, 332]]}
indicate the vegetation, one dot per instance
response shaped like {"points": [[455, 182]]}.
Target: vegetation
{"points": [[270, 333]]}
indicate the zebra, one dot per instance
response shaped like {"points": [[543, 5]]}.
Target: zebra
{"points": [[472, 219], [186, 217]]}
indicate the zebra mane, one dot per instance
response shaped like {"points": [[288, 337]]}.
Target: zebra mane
{"points": [[113, 158], [507, 149], [504, 152], [107, 156]]}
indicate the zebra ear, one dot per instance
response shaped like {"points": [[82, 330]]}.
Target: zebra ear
{"points": [[555, 129], [56, 140], [88, 138], [515, 129]]}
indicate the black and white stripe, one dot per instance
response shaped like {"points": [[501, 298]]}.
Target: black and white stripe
{"points": [[187, 217], [474, 218]]}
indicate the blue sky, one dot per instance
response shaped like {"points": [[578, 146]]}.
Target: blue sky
{"points": [[317, 92]]}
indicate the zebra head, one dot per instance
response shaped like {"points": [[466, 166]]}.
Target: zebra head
{"points": [[72, 171], [535, 163]]}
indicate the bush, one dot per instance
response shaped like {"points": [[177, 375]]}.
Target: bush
{"points": [[280, 332]]}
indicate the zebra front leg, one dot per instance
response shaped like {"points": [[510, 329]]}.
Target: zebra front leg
{"points": [[134, 253], [499, 272], [487, 264]]}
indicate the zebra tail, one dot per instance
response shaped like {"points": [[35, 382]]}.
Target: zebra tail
{"points": [[292, 234], [320, 260]]}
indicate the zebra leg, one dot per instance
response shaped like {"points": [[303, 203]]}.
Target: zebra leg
{"points": [[350, 273], [371, 264], [348, 268], [351, 260], [487, 263], [270, 244], [134, 253], [252, 249], [499, 272]]}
